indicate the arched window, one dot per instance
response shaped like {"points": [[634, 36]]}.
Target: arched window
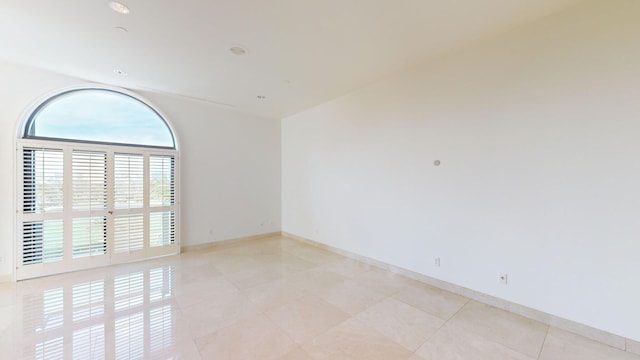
{"points": [[98, 183], [99, 115]]}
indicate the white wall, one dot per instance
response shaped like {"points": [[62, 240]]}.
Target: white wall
{"points": [[538, 132], [230, 170], [230, 162]]}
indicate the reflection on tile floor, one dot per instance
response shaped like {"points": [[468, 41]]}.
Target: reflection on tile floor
{"points": [[267, 299]]}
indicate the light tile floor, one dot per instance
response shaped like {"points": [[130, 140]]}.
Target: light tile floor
{"points": [[267, 299]]}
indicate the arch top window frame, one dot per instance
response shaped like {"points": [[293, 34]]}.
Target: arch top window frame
{"points": [[86, 202], [29, 126]]}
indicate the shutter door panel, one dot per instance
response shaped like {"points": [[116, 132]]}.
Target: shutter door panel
{"points": [[128, 233], [42, 241], [162, 229], [129, 181], [89, 236], [88, 205], [89, 171], [42, 180], [162, 180]]}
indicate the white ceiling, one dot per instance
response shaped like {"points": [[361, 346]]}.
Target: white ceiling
{"points": [[301, 52]]}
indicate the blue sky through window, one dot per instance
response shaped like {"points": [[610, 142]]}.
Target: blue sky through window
{"points": [[100, 116]]}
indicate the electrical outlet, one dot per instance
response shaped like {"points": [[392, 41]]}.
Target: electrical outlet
{"points": [[437, 262], [503, 278]]}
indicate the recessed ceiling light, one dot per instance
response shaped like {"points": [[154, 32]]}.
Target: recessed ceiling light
{"points": [[261, 97], [118, 7], [120, 72], [238, 50]]}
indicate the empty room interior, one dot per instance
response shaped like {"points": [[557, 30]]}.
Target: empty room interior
{"points": [[357, 179]]}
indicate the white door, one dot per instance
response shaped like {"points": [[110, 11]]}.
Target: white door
{"points": [[84, 206]]}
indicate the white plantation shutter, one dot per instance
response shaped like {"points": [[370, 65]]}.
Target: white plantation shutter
{"points": [[43, 200], [89, 194], [89, 236], [162, 228], [129, 189], [162, 180], [89, 176], [128, 233], [86, 205], [42, 241], [129, 181], [42, 186], [162, 224]]}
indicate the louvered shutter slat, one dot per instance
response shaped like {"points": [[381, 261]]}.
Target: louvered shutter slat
{"points": [[128, 233], [89, 180], [42, 241], [89, 236], [43, 178], [162, 228], [129, 181], [162, 180]]}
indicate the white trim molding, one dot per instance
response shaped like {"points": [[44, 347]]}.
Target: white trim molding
{"points": [[229, 242]]}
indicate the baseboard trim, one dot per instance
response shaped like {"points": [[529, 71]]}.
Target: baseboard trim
{"points": [[602, 336], [228, 242]]}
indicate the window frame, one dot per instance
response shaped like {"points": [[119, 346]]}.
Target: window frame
{"points": [[24, 141], [29, 121]]}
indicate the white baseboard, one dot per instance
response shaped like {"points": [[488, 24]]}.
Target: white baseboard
{"points": [[602, 336], [228, 242]]}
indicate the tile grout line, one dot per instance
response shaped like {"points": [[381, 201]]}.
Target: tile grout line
{"points": [[295, 344], [441, 326], [543, 342], [434, 315], [193, 340], [490, 340]]}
